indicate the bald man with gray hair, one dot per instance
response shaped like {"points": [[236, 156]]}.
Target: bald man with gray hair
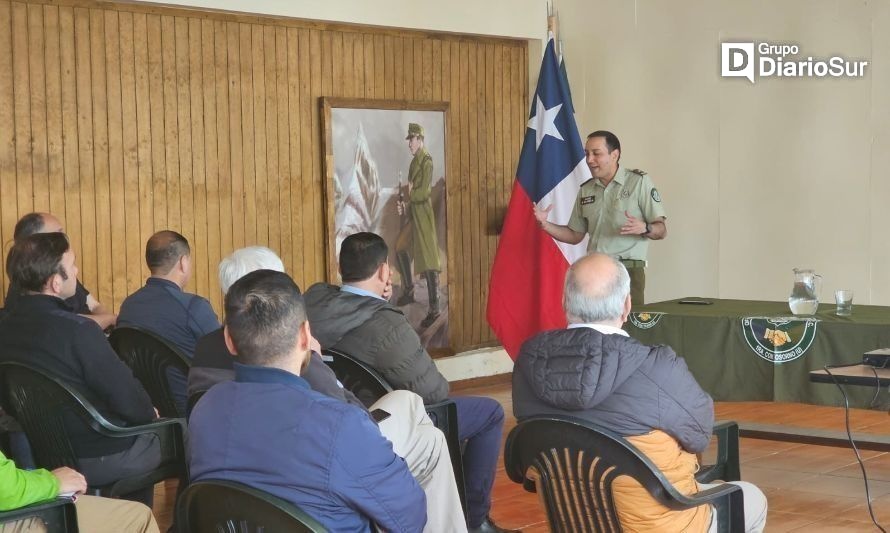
{"points": [[593, 370], [410, 430]]}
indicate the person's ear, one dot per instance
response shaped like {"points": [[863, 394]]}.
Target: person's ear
{"points": [[304, 338], [626, 313], [230, 344], [55, 283]]}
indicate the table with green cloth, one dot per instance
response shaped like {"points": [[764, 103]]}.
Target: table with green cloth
{"points": [[742, 350]]}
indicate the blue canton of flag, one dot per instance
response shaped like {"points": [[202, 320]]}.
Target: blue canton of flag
{"points": [[552, 146]]}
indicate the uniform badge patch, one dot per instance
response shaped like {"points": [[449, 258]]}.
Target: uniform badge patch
{"points": [[645, 320], [655, 195], [625, 194], [779, 340], [588, 200]]}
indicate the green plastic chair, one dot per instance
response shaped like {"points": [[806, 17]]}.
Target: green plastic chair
{"points": [[226, 506], [576, 462], [39, 403]]}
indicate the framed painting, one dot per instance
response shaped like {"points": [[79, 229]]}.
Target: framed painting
{"points": [[385, 174]]}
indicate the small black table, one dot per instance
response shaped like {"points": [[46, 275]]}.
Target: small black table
{"points": [[864, 375]]}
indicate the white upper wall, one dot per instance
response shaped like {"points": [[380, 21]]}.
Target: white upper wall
{"points": [[525, 19], [757, 179]]}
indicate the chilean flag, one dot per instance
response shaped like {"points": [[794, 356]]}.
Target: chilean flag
{"points": [[525, 293]]}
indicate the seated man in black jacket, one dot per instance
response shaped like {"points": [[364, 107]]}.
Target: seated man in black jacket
{"points": [[43, 332], [411, 432], [593, 370]]}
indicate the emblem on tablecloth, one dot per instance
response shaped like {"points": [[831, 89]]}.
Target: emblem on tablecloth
{"points": [[779, 339], [645, 320]]}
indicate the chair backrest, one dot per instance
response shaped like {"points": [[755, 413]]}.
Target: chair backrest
{"points": [[193, 400], [149, 357], [357, 377], [217, 505], [42, 404], [576, 463]]}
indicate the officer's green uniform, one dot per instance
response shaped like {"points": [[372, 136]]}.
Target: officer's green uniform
{"points": [[599, 212], [419, 237]]}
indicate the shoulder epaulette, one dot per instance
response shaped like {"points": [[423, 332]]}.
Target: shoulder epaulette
{"points": [[637, 171]]}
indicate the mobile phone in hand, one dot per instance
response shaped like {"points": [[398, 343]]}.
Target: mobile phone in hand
{"points": [[379, 415]]}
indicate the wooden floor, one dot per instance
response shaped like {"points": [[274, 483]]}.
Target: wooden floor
{"points": [[809, 488]]}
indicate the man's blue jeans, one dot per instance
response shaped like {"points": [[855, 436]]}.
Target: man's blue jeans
{"points": [[480, 422]]}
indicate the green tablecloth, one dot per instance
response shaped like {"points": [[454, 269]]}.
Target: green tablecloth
{"points": [[742, 350]]}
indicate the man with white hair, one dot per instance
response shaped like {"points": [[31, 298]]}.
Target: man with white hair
{"points": [[644, 393], [408, 428]]}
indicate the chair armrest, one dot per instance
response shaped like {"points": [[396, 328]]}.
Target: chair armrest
{"points": [[170, 432], [726, 466], [59, 514], [106, 428]]}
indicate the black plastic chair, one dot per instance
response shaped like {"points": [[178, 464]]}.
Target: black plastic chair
{"points": [[149, 357], [40, 403], [576, 463], [57, 516], [444, 416], [369, 386], [357, 377], [217, 505]]}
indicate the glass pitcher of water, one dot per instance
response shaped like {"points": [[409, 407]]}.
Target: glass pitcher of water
{"points": [[804, 299]]}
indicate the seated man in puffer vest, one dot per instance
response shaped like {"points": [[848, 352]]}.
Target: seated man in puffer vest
{"points": [[650, 398]]}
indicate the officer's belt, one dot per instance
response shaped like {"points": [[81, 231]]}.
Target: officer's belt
{"points": [[633, 263]]}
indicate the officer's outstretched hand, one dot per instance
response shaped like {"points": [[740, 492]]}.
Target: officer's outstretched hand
{"points": [[633, 226]]}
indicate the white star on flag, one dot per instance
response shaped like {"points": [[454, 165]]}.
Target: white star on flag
{"points": [[543, 123]]}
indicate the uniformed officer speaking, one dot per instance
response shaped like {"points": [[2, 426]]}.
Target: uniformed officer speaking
{"points": [[619, 208]]}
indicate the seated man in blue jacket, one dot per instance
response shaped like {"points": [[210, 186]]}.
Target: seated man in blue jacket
{"points": [[323, 455]]}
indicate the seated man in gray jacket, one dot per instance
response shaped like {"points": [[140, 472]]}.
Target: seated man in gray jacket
{"points": [[593, 370], [358, 319]]}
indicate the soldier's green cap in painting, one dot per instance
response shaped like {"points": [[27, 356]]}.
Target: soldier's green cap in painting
{"points": [[414, 130]]}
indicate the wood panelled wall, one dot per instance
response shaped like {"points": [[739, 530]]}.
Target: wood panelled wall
{"points": [[125, 119]]}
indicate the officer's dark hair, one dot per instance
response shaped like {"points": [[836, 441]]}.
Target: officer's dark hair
{"points": [[416, 135], [28, 225], [264, 314], [361, 254], [163, 250], [612, 142], [34, 259]]}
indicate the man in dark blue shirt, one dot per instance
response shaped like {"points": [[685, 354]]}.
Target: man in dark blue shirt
{"points": [[163, 308], [321, 454]]}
